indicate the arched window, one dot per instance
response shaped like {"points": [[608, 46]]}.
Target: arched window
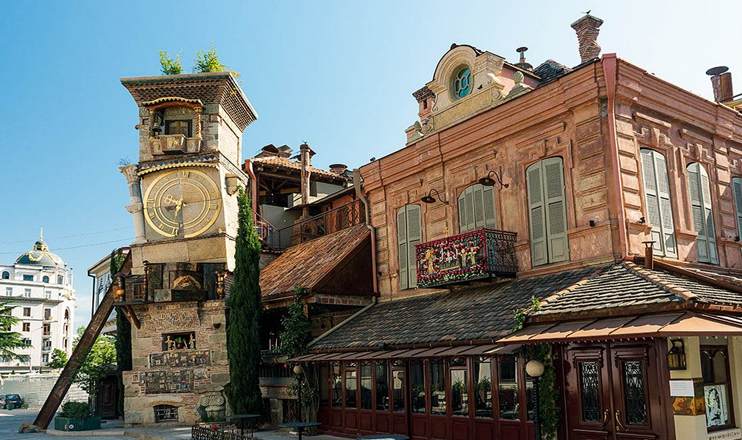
{"points": [[659, 206], [6, 275], [46, 278], [477, 208], [703, 219], [60, 279], [547, 211], [409, 233], [462, 84]]}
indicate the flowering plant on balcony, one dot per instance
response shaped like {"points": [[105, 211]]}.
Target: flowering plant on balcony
{"points": [[456, 258]]}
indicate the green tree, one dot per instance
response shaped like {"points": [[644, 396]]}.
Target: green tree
{"points": [[170, 65], [59, 359], [98, 362], [296, 334], [208, 61], [9, 340], [245, 307]]}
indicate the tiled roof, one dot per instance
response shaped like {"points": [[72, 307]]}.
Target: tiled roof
{"points": [[473, 313], [308, 263], [628, 284], [291, 165], [550, 69]]}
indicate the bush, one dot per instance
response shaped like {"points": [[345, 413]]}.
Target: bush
{"points": [[76, 410]]}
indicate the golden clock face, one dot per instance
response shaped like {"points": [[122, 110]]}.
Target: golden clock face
{"points": [[182, 203]]}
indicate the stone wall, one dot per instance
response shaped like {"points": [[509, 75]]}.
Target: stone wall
{"points": [[191, 378]]}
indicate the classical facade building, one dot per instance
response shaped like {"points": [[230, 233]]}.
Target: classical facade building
{"points": [[39, 286], [600, 202]]}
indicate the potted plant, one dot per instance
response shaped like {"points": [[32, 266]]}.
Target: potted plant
{"points": [[76, 416]]}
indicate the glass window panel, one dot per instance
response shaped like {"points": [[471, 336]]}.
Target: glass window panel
{"points": [[590, 391], [437, 388], [720, 367], [634, 393], [382, 387], [366, 386], [717, 405], [337, 385], [351, 389], [482, 387], [716, 387], [418, 387], [459, 393], [398, 390], [529, 396], [507, 389], [324, 385]]}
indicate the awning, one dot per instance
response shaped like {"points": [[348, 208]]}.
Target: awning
{"points": [[644, 326], [416, 353]]}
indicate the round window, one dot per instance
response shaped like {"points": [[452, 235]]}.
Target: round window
{"points": [[462, 83]]}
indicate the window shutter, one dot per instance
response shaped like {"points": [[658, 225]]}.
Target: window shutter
{"points": [[708, 212], [536, 216], [463, 214], [488, 200], [653, 203], [471, 219], [556, 212], [402, 243], [663, 192], [478, 206], [414, 236], [697, 212]]}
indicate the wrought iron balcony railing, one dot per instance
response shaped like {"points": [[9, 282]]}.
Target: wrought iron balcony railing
{"points": [[474, 255]]}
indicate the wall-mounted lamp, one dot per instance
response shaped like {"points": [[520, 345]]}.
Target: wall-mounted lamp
{"points": [[489, 181], [676, 355], [430, 199]]}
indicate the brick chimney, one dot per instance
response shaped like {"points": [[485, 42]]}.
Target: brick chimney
{"points": [[338, 168], [721, 81], [587, 36]]}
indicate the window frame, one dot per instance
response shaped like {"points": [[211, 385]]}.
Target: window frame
{"points": [[665, 230], [707, 250], [712, 350], [406, 244], [545, 239], [188, 122]]}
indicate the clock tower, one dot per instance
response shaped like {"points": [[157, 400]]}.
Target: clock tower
{"points": [[183, 194]]}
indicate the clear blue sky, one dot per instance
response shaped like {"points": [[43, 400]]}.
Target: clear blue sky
{"points": [[336, 74]]}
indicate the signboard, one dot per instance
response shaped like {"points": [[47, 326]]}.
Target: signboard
{"points": [[682, 388], [730, 434]]}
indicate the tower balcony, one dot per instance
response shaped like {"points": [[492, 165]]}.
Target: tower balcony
{"points": [[174, 144], [474, 255]]}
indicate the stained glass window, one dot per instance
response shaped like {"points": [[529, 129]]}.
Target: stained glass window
{"points": [[590, 391], [634, 393], [462, 84]]}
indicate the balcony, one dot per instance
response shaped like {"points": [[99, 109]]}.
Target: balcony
{"points": [[174, 144], [474, 255]]}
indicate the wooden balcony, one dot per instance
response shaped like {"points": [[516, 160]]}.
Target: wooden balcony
{"points": [[474, 255]]}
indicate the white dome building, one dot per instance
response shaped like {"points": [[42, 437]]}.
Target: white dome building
{"points": [[39, 286]]}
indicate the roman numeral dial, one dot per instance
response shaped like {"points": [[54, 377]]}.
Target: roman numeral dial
{"points": [[182, 203]]}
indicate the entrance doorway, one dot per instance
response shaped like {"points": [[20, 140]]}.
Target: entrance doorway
{"points": [[613, 391]]}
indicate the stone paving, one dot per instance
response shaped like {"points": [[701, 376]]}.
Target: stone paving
{"points": [[114, 430]]}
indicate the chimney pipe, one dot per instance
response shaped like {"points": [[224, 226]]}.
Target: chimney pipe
{"points": [[649, 254], [587, 36], [522, 63], [721, 81], [306, 162]]}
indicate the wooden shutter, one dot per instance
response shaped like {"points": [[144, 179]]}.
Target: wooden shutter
{"points": [[556, 209], [402, 243], [488, 199], [536, 215], [663, 191], [463, 213], [701, 212], [652, 200], [414, 236]]}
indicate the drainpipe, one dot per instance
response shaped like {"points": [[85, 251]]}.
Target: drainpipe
{"points": [[610, 71], [366, 207]]}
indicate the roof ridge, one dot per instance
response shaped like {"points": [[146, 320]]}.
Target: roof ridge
{"points": [[666, 285]]}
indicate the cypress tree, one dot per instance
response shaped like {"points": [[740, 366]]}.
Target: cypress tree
{"points": [[243, 326]]}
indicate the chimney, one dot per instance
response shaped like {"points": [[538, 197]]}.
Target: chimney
{"points": [[649, 254], [522, 63], [306, 162], [721, 81], [587, 36], [338, 168]]}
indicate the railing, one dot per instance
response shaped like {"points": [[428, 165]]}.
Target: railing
{"points": [[478, 254], [335, 220], [266, 232]]}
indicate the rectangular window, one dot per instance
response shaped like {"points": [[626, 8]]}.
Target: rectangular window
{"points": [[26, 326], [324, 389], [459, 393], [27, 311], [48, 294], [409, 234], [476, 206], [507, 389], [483, 387], [9, 291], [398, 390], [26, 342], [351, 387], [438, 403], [47, 314], [702, 214], [178, 127], [60, 279], [27, 277], [382, 386], [547, 211], [47, 330], [659, 206], [27, 293], [717, 388], [337, 385], [417, 384], [45, 358], [47, 344], [366, 385]]}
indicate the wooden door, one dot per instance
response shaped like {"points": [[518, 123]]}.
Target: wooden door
{"points": [[612, 392]]}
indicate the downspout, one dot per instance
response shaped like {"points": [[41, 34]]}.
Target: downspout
{"points": [[609, 63], [367, 208], [254, 187]]}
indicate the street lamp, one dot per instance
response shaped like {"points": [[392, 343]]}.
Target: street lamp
{"points": [[535, 369], [298, 371]]}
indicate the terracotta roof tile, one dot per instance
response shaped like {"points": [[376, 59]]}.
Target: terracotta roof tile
{"points": [[308, 263], [473, 313], [287, 164]]}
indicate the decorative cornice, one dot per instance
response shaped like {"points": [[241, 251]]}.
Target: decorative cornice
{"points": [[209, 160]]}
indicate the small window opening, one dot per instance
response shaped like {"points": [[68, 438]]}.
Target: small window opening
{"points": [[166, 413]]}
